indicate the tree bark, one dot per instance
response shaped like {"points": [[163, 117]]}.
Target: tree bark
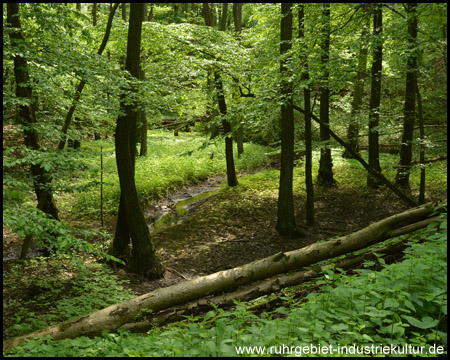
{"points": [[369, 169], [115, 316], [231, 171], [82, 83], [94, 14], [237, 18], [308, 132], [223, 18], [143, 118], [131, 221], [208, 15], [286, 219], [264, 287], [124, 11], [325, 175], [27, 117], [422, 144], [214, 127], [375, 97], [404, 168], [358, 90]]}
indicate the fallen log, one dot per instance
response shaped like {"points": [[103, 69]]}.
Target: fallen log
{"points": [[261, 288], [271, 285], [393, 149], [115, 316], [430, 160]]}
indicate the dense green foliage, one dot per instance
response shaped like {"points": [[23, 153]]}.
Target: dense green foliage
{"points": [[172, 162], [71, 291], [404, 303]]}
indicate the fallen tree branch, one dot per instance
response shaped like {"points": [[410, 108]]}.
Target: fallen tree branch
{"points": [[115, 316], [430, 160], [262, 288], [372, 171], [272, 285]]}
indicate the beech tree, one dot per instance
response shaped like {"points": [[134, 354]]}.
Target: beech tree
{"points": [[308, 132], [402, 178], [27, 116], [375, 96], [237, 18], [130, 220], [358, 89], [325, 176], [218, 83], [82, 83], [286, 219]]}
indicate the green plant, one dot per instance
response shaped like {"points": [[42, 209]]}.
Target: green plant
{"points": [[54, 235], [386, 307], [171, 163], [55, 289]]}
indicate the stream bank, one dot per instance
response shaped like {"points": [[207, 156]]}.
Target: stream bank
{"points": [[236, 226]]}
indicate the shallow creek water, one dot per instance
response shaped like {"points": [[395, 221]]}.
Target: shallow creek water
{"points": [[158, 217], [178, 209]]}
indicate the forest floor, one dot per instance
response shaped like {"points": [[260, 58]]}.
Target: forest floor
{"points": [[231, 227], [237, 226]]}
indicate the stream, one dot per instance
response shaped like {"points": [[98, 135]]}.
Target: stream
{"points": [[179, 207], [158, 217]]}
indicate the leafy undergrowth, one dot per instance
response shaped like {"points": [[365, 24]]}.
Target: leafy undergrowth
{"points": [[172, 162], [45, 291], [404, 304]]}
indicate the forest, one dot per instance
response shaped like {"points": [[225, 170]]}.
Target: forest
{"points": [[224, 179]]}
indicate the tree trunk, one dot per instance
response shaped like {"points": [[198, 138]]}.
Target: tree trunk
{"points": [[124, 11], [214, 128], [150, 14], [143, 118], [208, 15], [353, 126], [375, 97], [115, 316], [143, 259], [223, 18], [94, 14], [404, 168], [264, 287], [27, 117], [286, 218], [308, 132], [231, 171], [237, 18], [211, 109], [80, 86], [422, 144], [369, 169], [325, 176]]}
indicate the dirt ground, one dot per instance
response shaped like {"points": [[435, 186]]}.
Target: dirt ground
{"points": [[225, 231], [232, 228]]}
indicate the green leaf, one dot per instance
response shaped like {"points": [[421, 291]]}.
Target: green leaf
{"points": [[426, 323]]}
